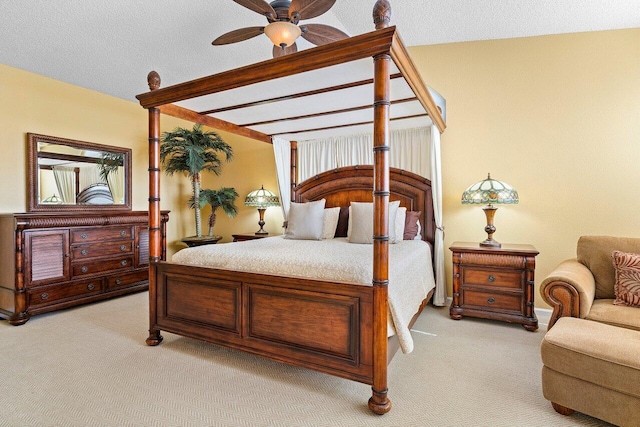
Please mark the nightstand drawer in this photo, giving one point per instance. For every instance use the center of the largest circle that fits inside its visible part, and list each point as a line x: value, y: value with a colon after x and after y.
x: 492, y: 301
x: 492, y: 277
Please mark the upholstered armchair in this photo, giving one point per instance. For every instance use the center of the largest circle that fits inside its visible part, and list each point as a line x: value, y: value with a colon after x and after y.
x: 583, y: 287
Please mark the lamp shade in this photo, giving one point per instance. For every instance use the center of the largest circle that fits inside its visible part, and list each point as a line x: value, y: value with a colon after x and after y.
x: 282, y: 33
x: 261, y: 198
x: 490, y: 191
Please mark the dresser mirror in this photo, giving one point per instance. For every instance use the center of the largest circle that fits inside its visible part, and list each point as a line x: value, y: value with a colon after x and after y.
x: 68, y: 175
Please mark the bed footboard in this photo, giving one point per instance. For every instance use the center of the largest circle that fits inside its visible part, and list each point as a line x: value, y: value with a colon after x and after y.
x: 320, y: 325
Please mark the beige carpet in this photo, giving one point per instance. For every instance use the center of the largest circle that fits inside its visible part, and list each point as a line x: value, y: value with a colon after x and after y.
x: 89, y: 366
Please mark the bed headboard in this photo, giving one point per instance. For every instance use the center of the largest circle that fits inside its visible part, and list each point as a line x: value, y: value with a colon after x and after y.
x: 341, y: 186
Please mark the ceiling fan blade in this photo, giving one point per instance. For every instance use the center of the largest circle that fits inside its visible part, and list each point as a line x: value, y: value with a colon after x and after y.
x: 238, y: 35
x: 278, y: 51
x: 307, y: 9
x: 320, y: 34
x: 259, y: 6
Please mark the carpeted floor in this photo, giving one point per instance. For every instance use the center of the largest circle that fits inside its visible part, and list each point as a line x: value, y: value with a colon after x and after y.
x: 89, y: 366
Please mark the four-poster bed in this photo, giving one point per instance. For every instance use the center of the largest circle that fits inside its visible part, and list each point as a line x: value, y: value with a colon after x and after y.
x: 334, y: 327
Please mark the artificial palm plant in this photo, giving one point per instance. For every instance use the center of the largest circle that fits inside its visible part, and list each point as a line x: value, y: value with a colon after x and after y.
x: 192, y: 151
x: 224, y: 198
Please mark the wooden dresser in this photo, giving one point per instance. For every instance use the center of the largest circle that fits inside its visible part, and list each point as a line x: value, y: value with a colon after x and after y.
x: 494, y: 283
x: 50, y: 261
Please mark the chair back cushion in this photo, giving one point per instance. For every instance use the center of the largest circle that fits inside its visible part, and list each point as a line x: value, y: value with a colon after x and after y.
x: 595, y: 253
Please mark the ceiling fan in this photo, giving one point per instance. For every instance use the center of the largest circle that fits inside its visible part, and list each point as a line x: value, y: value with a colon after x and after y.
x: 283, y: 29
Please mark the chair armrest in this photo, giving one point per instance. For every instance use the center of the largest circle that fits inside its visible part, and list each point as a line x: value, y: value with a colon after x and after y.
x: 569, y: 289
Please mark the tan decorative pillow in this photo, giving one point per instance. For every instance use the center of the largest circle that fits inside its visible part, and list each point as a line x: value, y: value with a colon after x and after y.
x: 330, y: 222
x: 401, y: 214
x: 361, y: 222
x: 627, y: 285
x: 305, y: 221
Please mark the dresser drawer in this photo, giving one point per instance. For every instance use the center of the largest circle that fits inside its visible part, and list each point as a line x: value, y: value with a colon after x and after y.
x: 127, y: 279
x: 91, y: 267
x: 100, y: 234
x: 47, y: 295
x: 93, y: 250
x: 492, y: 277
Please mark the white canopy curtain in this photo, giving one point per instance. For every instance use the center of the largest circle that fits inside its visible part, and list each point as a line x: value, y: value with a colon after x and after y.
x: 66, y: 182
x: 89, y: 175
x: 282, y: 152
x: 415, y: 150
x: 440, y: 294
x: 410, y: 150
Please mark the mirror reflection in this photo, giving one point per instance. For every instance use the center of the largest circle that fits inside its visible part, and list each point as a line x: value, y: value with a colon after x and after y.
x: 73, y: 174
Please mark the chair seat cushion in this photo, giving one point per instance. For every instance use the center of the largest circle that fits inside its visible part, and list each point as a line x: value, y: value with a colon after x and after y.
x: 594, y: 352
x: 604, y: 311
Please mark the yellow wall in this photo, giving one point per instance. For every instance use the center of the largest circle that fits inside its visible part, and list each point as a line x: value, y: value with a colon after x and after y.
x: 558, y: 118
x: 32, y: 103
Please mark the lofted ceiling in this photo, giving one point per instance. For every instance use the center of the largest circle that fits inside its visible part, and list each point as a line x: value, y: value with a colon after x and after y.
x: 110, y: 46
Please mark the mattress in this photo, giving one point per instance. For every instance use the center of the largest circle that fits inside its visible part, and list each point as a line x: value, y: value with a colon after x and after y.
x: 410, y: 269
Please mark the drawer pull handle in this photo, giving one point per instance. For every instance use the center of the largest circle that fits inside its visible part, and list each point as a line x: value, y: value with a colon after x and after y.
x: 123, y: 248
x: 123, y: 263
x: 491, y: 278
x: 491, y: 300
x: 84, y: 252
x: 91, y: 286
x: 123, y: 233
x: 84, y: 269
x: 84, y: 236
x: 118, y: 281
x: 44, y: 296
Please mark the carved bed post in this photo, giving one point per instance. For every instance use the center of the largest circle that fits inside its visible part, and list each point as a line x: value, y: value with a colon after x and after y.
x: 379, y: 401
x: 155, y: 235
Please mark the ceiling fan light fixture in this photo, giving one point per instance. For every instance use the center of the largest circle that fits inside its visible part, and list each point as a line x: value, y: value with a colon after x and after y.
x: 282, y: 33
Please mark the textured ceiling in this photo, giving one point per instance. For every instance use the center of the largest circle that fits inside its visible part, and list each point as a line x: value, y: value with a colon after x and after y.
x: 110, y: 46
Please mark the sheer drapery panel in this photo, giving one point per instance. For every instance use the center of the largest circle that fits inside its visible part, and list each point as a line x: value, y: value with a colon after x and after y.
x: 410, y: 150
x: 66, y: 182
x: 282, y: 153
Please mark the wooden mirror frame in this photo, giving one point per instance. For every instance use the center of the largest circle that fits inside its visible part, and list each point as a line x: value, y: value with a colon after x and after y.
x: 33, y: 199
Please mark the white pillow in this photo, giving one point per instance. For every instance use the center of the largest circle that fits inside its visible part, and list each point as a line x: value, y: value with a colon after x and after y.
x: 361, y: 222
x: 419, y: 235
x: 305, y: 221
x: 401, y: 215
x: 330, y: 222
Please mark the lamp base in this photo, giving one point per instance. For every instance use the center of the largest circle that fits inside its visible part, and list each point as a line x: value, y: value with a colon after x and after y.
x: 490, y: 211
x: 261, y: 222
x: 490, y: 243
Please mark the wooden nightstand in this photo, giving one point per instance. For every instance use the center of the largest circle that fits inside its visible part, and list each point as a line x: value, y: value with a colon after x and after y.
x: 243, y: 237
x: 494, y: 283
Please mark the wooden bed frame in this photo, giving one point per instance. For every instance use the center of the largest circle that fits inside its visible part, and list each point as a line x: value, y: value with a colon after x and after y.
x: 336, y: 328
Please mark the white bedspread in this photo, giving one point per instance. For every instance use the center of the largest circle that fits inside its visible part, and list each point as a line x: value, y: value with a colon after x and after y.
x: 410, y: 270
